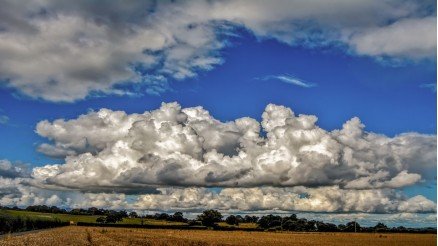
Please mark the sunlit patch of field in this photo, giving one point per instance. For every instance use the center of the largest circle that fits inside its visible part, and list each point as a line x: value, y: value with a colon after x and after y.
x: 76, y: 235
x: 241, y: 225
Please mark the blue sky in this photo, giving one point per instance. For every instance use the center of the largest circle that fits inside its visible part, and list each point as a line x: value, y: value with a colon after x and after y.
x: 390, y: 90
x: 389, y: 99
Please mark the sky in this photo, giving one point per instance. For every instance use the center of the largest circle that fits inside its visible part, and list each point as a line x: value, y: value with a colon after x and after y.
x: 324, y: 109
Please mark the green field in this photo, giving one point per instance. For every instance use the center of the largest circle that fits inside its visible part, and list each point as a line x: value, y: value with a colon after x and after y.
x: 82, y: 218
x: 92, y: 218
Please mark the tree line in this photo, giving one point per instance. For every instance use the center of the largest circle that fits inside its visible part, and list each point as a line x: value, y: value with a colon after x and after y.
x: 211, y: 218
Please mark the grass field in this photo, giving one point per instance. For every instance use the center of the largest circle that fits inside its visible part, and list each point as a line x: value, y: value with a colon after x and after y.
x: 92, y: 219
x: 83, y: 218
x: 76, y: 235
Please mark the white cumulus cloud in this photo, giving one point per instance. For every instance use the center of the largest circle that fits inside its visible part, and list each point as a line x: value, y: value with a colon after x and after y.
x: 405, y: 38
x: 172, y: 146
x: 18, y: 192
x: 328, y: 199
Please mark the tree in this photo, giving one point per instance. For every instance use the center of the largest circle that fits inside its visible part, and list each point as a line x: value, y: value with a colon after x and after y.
x: 113, y: 218
x: 290, y: 225
x: 239, y: 218
x: 293, y: 217
x: 101, y: 220
x: 380, y: 227
x: 269, y: 221
x: 92, y: 211
x: 133, y: 215
x: 162, y: 216
x: 341, y: 227
x: 401, y: 229
x: 210, y: 217
x: 326, y: 227
x: 232, y: 220
x: 352, y: 226
x: 178, y: 216
x: 250, y: 219
x: 122, y: 214
x: 303, y: 225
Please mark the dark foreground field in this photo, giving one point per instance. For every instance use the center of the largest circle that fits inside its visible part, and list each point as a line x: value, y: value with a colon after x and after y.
x: 75, y: 235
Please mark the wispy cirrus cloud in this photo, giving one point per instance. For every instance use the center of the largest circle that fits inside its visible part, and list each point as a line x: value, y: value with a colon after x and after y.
x: 430, y: 86
x: 289, y: 79
x: 4, y: 119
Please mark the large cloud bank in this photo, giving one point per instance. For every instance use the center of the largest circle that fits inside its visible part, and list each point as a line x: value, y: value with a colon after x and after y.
x: 175, y: 158
x: 67, y: 50
x: 18, y: 192
x: 328, y: 199
x: 172, y: 146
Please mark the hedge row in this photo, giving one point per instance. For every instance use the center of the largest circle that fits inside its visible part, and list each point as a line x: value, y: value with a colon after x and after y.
x: 17, y: 224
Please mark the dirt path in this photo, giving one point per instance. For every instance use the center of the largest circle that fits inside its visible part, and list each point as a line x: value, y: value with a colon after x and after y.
x: 15, y: 234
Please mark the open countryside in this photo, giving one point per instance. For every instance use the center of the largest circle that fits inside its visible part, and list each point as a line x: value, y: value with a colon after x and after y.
x: 218, y: 122
x: 107, y: 227
x: 76, y: 235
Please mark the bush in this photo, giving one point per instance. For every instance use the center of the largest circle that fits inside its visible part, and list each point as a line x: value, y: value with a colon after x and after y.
x: 195, y: 223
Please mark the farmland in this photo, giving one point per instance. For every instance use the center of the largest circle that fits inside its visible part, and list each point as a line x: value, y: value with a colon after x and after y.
x: 92, y: 219
x: 82, y: 218
x: 76, y: 235
x: 150, y: 231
